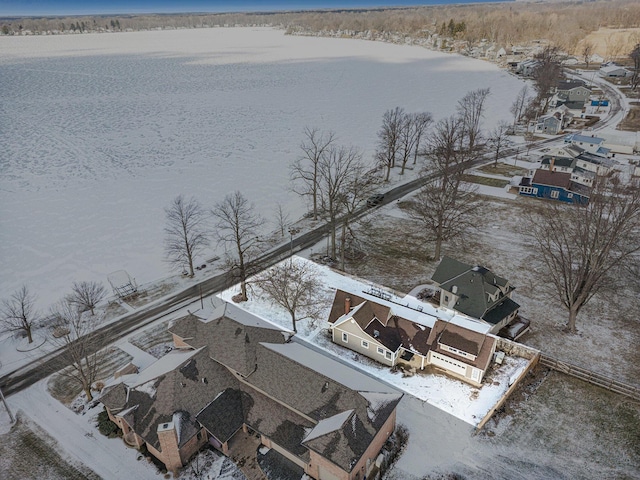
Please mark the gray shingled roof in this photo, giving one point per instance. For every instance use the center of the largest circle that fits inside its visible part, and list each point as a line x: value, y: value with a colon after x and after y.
x: 472, y: 284
x: 202, y: 391
x: 233, y: 339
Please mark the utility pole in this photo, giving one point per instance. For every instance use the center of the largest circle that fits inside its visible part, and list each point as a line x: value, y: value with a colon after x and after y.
x: 11, y: 417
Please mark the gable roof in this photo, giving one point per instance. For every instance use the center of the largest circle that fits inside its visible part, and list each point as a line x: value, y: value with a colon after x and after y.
x: 289, y: 392
x: 472, y: 285
x: 234, y: 339
x: 338, y: 309
x: 564, y: 162
x: 477, y: 344
x: 567, y: 85
x: 543, y: 176
x: 576, y: 137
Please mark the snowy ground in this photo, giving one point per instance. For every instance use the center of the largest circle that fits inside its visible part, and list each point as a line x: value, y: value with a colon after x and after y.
x: 454, y: 397
x: 100, y: 132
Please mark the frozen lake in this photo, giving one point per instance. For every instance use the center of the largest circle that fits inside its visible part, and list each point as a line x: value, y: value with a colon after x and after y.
x: 100, y: 132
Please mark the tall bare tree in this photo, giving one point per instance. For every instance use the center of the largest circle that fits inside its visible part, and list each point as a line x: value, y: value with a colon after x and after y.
x: 587, y: 52
x: 86, y: 295
x: 282, y: 219
x: 444, y: 208
x: 294, y: 285
x: 470, y: 109
x: 337, y: 166
x: 18, y: 312
x: 304, y: 171
x: 389, y: 138
x: 498, y: 140
x: 361, y: 182
x: 519, y: 104
x: 546, y: 75
x: 583, y: 248
x: 81, y: 346
x: 185, y: 232
x: 412, y: 130
x: 237, y: 226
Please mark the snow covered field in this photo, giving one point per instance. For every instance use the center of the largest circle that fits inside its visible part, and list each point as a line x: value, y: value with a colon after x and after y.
x: 100, y: 132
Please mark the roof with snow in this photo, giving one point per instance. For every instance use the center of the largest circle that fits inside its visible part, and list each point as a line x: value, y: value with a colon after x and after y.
x: 577, y: 138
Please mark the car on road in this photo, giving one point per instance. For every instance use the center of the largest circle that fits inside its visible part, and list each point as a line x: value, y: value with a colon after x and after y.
x: 375, y: 200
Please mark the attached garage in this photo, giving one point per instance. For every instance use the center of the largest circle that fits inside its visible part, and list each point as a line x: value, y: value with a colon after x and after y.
x: 448, y: 364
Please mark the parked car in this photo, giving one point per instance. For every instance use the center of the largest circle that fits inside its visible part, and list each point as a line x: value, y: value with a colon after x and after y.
x: 375, y: 200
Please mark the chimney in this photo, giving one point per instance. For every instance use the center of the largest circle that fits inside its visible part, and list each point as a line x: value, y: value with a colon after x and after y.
x: 552, y: 162
x: 347, y: 305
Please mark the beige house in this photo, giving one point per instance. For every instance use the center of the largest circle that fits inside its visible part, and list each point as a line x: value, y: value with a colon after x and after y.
x: 372, y: 329
x: 232, y: 372
x: 461, y: 352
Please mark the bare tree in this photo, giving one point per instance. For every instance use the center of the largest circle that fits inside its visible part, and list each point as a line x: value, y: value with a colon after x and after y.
x: 282, y: 219
x: 361, y: 182
x: 86, y: 295
x: 470, y: 109
x: 499, y: 140
x: 185, y: 232
x: 335, y: 169
x: 237, y: 227
x: 422, y: 122
x: 81, y: 346
x: 584, y: 247
x: 389, y: 139
x: 444, y: 208
x: 304, y: 171
x: 635, y: 57
x: 293, y: 285
x: 519, y: 104
x: 18, y: 312
x: 413, y: 127
x: 587, y: 52
x: 546, y: 75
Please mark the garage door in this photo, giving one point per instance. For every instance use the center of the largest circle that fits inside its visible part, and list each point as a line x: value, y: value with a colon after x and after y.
x: 447, y: 364
x: 327, y: 475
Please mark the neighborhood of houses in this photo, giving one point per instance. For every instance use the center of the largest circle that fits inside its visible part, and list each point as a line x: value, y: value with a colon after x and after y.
x: 567, y: 173
x: 233, y: 377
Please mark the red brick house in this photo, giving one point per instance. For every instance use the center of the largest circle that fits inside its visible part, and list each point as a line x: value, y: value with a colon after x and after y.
x: 233, y: 371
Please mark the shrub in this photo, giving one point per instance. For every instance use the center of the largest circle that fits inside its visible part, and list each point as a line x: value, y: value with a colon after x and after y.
x: 105, y: 425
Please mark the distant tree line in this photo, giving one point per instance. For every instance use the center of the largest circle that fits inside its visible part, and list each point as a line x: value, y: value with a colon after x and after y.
x: 563, y: 24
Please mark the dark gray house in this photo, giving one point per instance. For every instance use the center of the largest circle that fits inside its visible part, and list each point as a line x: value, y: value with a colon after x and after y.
x: 476, y: 292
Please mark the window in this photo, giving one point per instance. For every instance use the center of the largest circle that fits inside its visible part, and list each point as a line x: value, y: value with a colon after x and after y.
x: 345, y: 337
x: 388, y: 355
x: 569, y: 195
x: 554, y: 194
x: 535, y: 190
x: 527, y: 190
x: 446, y: 298
x: 365, y: 344
x: 381, y: 350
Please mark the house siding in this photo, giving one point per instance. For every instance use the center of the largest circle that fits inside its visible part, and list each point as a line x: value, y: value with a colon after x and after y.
x: 355, y: 337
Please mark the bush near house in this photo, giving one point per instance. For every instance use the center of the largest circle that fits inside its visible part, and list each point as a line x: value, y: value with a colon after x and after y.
x: 106, y: 426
